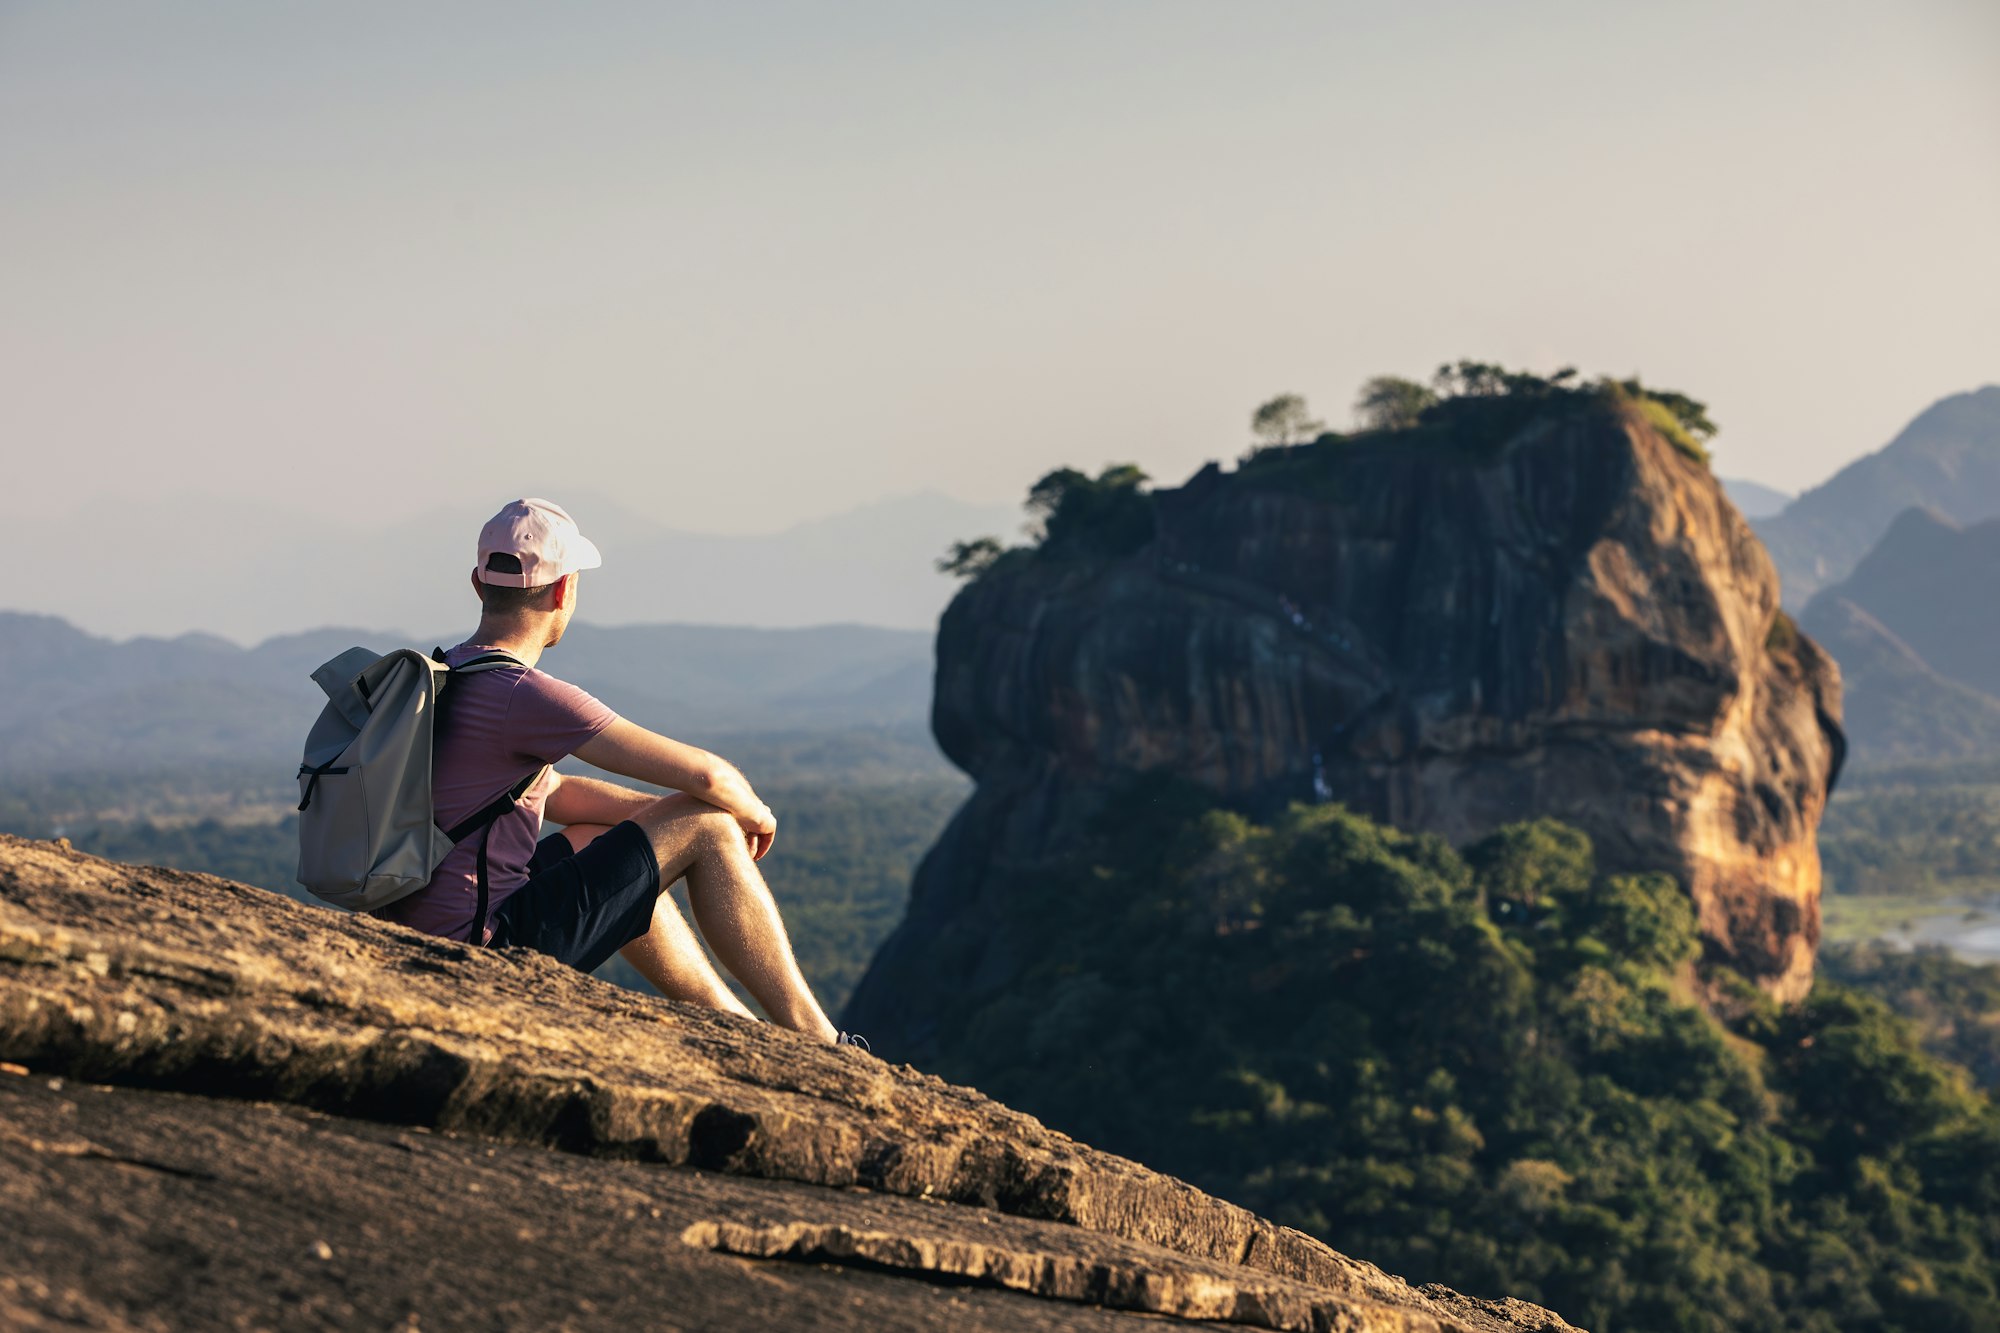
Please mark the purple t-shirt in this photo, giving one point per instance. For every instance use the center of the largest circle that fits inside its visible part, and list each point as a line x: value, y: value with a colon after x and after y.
x: 504, y: 724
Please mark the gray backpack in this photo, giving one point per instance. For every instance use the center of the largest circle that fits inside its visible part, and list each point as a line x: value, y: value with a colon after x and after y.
x: 368, y: 833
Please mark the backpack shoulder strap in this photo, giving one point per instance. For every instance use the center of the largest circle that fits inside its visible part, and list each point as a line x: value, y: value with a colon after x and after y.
x: 481, y: 822
x: 504, y: 802
x: 482, y: 819
x: 494, y: 808
x: 484, y: 662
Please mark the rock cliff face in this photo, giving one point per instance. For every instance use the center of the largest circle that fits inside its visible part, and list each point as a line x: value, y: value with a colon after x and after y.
x: 1574, y: 623
x: 221, y: 1109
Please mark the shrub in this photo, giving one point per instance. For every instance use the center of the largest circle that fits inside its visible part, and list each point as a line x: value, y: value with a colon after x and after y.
x: 1680, y: 419
x: 968, y: 560
x: 1284, y: 420
x: 1389, y: 403
x: 1074, y: 514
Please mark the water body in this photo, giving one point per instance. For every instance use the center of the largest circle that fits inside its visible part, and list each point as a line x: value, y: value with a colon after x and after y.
x: 1970, y: 929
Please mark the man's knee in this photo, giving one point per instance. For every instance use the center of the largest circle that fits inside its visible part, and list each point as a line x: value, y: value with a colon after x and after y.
x: 715, y: 828
x: 668, y: 811
x: 679, y: 821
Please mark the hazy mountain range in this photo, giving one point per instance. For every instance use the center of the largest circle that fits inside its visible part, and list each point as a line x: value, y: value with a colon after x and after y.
x: 249, y: 571
x: 74, y: 702
x: 1918, y: 641
x: 1948, y: 459
x: 1889, y: 565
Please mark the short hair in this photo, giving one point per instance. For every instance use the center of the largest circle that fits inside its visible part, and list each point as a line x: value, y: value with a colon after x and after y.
x: 505, y: 601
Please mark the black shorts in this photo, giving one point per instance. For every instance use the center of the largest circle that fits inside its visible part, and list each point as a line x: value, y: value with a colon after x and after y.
x: 582, y: 907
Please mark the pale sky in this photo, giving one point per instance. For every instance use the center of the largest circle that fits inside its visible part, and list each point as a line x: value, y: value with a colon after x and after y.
x: 745, y: 264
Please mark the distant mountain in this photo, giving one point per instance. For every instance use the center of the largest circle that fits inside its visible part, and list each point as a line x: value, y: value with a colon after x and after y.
x: 1897, y: 709
x: 1918, y: 648
x: 1753, y: 499
x: 250, y: 571
x: 1948, y: 459
x: 1931, y: 582
x: 72, y: 702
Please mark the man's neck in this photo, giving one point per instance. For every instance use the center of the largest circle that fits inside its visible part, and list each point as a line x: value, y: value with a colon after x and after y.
x: 524, y: 643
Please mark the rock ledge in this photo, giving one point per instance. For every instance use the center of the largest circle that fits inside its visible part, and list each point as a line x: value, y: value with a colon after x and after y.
x: 176, y: 983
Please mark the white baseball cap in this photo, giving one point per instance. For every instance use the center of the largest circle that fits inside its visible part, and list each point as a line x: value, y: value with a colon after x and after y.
x: 542, y: 537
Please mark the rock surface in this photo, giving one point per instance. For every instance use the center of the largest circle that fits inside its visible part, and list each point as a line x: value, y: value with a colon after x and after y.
x: 1574, y: 624
x: 427, y: 1134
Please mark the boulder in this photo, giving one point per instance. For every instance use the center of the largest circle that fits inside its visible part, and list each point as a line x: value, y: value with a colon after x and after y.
x: 1569, y: 621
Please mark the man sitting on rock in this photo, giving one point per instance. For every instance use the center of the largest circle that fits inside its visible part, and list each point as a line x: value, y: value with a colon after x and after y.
x: 599, y: 886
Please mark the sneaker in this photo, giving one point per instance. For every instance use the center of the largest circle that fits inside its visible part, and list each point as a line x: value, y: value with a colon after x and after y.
x: 853, y: 1039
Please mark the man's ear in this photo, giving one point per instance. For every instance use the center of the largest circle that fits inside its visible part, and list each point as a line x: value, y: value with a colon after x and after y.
x: 560, y: 595
x: 476, y: 592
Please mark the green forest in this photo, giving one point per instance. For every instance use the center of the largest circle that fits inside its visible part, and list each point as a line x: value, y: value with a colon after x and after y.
x: 1954, y: 1006
x: 1921, y: 833
x: 1487, y: 1068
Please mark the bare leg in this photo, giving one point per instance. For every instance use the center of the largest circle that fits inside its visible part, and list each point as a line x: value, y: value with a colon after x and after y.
x: 734, y: 908
x: 668, y: 956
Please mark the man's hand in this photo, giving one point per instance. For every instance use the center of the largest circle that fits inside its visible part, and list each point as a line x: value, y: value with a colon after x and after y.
x: 761, y: 828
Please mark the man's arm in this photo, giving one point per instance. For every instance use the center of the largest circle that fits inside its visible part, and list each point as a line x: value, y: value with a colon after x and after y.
x: 628, y: 749
x: 577, y: 800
